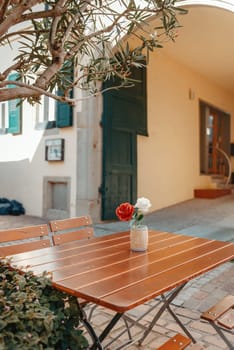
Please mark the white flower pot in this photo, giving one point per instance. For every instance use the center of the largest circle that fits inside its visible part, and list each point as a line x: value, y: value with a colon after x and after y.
x: 139, y: 238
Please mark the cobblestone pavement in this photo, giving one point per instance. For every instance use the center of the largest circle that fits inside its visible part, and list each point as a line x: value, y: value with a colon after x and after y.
x: 198, y: 295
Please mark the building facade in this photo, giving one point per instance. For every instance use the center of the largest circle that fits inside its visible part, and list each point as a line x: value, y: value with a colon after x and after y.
x: 61, y: 162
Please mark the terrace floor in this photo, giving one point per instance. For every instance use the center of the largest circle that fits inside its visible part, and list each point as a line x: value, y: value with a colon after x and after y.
x: 211, y: 218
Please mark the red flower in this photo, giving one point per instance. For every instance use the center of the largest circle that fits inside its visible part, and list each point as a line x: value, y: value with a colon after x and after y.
x: 125, y: 211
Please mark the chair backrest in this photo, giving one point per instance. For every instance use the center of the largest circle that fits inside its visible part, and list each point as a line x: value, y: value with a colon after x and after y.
x: 72, y: 229
x: 222, y: 312
x: 23, y: 239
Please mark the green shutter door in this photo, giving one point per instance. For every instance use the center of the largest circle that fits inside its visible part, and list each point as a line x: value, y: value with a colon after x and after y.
x: 14, y: 111
x: 63, y: 114
x: 124, y: 117
x: 64, y: 111
x: 120, y: 169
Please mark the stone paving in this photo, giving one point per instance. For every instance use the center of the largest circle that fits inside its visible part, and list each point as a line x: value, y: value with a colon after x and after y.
x: 197, y: 296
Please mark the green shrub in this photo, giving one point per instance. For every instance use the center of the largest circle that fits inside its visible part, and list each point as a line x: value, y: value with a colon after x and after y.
x: 34, y: 315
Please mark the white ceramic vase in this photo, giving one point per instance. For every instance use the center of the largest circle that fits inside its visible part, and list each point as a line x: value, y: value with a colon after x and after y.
x: 139, y: 238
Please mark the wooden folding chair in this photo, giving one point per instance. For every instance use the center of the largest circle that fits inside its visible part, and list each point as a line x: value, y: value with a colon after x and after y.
x: 179, y: 342
x: 221, y: 317
x: 72, y: 229
x: 23, y: 239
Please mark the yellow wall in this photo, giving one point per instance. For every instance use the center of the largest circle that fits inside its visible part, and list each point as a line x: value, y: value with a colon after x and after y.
x: 168, y: 160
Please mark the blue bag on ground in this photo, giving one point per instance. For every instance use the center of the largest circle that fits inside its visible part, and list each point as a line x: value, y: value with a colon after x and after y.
x: 11, y: 207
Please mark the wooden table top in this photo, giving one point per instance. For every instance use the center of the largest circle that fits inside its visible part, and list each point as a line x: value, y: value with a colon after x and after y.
x: 105, y: 271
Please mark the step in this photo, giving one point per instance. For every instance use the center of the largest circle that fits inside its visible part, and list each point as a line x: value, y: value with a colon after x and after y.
x: 218, y: 179
x: 211, y: 192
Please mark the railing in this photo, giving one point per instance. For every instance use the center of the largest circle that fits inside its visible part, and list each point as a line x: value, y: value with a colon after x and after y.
x: 228, y: 162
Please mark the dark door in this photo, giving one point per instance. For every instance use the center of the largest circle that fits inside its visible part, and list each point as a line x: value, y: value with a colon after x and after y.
x: 214, y: 140
x: 124, y: 117
x: 215, y: 158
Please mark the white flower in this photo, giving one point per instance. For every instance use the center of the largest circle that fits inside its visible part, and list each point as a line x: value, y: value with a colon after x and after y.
x: 143, y: 204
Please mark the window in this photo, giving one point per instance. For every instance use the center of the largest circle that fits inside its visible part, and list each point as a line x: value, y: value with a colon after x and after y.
x: 51, y: 113
x: 3, y: 117
x: 45, y: 113
x: 10, y: 117
x: 14, y: 116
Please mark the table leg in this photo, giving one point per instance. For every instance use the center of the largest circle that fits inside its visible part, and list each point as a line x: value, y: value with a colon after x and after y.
x: 166, y: 305
x: 110, y: 325
x: 180, y: 324
x: 220, y: 333
x: 95, y: 339
x: 107, y: 330
x: 127, y: 319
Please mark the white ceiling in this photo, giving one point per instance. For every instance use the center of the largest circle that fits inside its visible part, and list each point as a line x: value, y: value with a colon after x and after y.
x: 206, y: 43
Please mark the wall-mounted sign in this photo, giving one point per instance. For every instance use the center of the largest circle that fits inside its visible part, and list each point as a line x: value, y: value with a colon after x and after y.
x: 54, y: 149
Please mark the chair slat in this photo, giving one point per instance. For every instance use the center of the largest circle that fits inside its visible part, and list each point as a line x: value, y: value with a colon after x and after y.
x: 219, y: 309
x: 221, y: 318
x: 66, y: 224
x: 61, y: 238
x: 23, y: 233
x: 23, y: 247
x: 227, y: 319
x: 178, y: 342
x: 78, y: 228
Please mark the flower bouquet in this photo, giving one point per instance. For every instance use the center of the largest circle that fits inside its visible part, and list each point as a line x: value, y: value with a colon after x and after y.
x: 135, y: 214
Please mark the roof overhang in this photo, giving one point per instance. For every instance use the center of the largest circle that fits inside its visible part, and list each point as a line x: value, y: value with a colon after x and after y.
x: 204, y: 41
x: 224, y: 4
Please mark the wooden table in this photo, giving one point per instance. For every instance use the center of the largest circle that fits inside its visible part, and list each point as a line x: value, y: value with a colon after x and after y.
x: 104, y: 271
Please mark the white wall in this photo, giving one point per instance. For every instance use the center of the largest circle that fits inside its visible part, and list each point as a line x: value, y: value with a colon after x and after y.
x: 23, y: 164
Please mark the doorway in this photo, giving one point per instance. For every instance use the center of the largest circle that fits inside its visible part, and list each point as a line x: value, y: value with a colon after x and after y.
x: 124, y: 116
x: 214, y: 140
